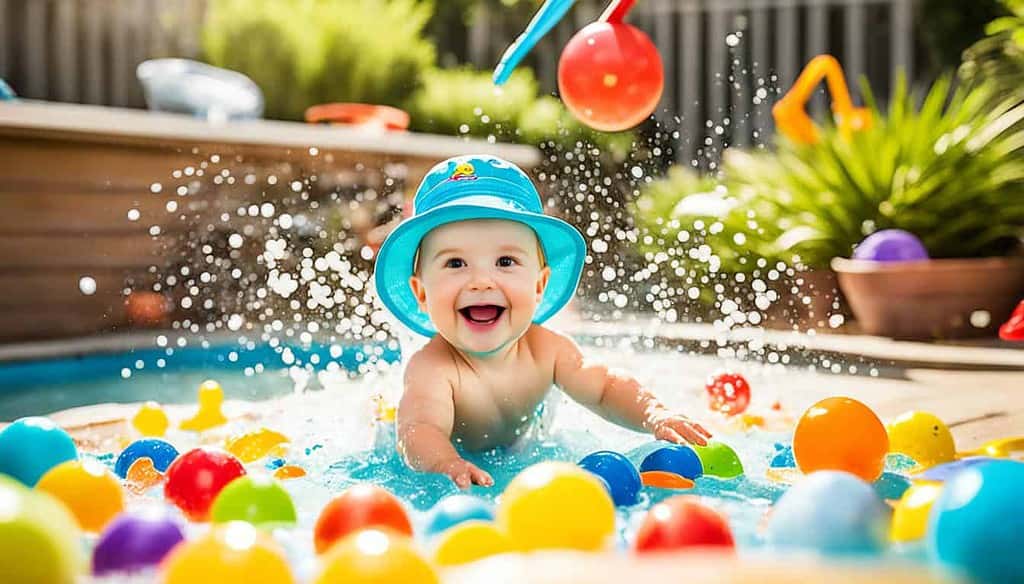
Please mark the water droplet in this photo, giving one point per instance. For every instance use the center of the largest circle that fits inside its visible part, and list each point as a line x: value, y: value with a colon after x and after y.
x: 732, y: 40
x: 87, y: 285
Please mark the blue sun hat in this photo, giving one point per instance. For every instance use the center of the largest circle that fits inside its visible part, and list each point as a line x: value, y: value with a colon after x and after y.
x: 476, y: 187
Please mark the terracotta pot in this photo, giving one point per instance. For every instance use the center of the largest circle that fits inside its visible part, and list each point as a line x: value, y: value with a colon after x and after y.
x: 816, y: 299
x: 955, y: 298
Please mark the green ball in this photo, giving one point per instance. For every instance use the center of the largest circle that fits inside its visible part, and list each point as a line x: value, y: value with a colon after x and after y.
x: 39, y: 539
x: 258, y: 500
x: 719, y: 460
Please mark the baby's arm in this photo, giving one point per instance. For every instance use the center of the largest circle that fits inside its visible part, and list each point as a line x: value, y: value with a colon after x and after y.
x: 426, y: 416
x: 618, y: 397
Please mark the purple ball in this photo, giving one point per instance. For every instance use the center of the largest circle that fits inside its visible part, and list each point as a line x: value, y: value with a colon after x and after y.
x: 134, y: 541
x: 891, y: 245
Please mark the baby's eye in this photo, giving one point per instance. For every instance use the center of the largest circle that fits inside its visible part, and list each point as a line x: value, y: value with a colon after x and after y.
x: 507, y: 261
x: 454, y: 263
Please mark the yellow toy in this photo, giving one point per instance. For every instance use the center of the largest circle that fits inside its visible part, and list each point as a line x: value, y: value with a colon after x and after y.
x: 90, y: 491
x: 211, y: 397
x: 923, y: 437
x: 1000, y: 448
x: 150, y: 420
x: 790, y: 116
x: 470, y: 541
x: 370, y: 556
x: 252, y: 446
x: 910, y: 514
x: 289, y: 471
x: 234, y: 552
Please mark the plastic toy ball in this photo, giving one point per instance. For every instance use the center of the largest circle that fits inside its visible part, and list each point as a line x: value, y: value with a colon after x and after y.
x: 728, y: 393
x: 618, y: 472
x: 556, y: 505
x: 359, y: 507
x: 258, y: 500
x: 830, y: 512
x: 211, y: 397
x: 456, y: 509
x: 910, y: 514
x: 923, y: 437
x: 839, y: 433
x: 151, y: 420
x: 610, y: 76
x: 39, y: 539
x: 233, y: 552
x: 891, y: 245
x: 196, y: 478
x: 372, y: 556
x: 252, y: 446
x: 719, y: 460
x: 676, y: 459
x: 90, y: 491
x: 161, y: 453
x: 31, y: 446
x: 975, y: 525
x: 135, y: 541
x: 682, y: 522
x: 470, y: 541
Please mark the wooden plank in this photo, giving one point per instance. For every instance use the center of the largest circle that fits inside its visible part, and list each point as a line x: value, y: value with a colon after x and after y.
x: 93, y: 212
x: 120, y: 75
x: 34, y: 288
x: 84, y: 251
x: 34, y: 52
x: 719, y: 89
x: 47, y: 322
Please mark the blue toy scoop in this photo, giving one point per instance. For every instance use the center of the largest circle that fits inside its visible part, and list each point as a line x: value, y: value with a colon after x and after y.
x: 550, y: 13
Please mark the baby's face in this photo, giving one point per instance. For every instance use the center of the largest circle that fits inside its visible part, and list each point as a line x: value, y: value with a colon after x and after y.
x: 480, y: 281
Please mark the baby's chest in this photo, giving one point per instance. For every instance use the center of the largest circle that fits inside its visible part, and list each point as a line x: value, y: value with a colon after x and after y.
x: 508, y: 396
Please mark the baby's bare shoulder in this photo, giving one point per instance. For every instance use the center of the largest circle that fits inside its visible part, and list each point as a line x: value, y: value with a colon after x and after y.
x: 433, y: 360
x: 546, y: 344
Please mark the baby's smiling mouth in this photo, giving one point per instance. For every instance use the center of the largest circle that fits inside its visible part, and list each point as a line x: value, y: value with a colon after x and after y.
x: 482, y: 314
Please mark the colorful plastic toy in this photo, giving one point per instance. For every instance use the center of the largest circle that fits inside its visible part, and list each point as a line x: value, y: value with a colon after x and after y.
x: 1013, y: 329
x: 910, y: 514
x: 728, y: 393
x: 942, y: 472
x: 470, y: 541
x: 258, y: 500
x: 831, y: 512
x: 660, y: 479
x: 618, y: 472
x: 160, y: 452
x: 135, y: 541
x: 891, y: 245
x: 90, y: 491
x: 233, y: 552
x: 370, y: 556
x: 556, y: 505
x: 675, y: 459
x: 39, y: 538
x: 999, y: 448
x: 456, y: 509
x: 289, y: 471
x: 790, y: 116
x: 682, y: 522
x: 151, y: 420
x: 254, y: 445
x: 359, y: 507
x: 29, y: 447
x: 719, y: 460
x: 840, y: 433
x: 923, y: 437
x: 196, y: 478
x: 975, y: 525
x: 211, y: 398
x: 142, y: 476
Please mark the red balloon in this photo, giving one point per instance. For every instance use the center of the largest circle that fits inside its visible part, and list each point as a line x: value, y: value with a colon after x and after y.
x: 728, y: 393
x: 356, y: 508
x: 195, y: 479
x: 682, y: 522
x: 610, y: 76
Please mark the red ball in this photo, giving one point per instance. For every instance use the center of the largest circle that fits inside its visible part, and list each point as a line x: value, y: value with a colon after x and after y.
x: 728, y: 393
x: 356, y: 508
x: 610, y: 76
x: 682, y: 522
x: 195, y: 479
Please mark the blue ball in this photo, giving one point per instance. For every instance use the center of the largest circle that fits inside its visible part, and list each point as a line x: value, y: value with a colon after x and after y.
x: 618, y: 472
x: 160, y: 452
x: 453, y: 510
x: 31, y: 446
x: 977, y: 524
x: 681, y: 460
x: 831, y: 512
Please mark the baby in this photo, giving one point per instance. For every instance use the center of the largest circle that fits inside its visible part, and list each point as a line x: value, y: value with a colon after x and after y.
x: 478, y: 268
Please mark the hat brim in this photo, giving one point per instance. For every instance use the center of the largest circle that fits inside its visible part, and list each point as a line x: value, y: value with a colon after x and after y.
x: 564, y: 250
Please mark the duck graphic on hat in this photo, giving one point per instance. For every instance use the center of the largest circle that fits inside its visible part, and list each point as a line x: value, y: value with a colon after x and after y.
x: 464, y: 171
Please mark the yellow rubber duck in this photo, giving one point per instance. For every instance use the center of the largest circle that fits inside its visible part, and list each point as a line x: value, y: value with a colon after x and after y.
x: 463, y: 170
x: 211, y: 397
x: 150, y: 420
x: 923, y: 437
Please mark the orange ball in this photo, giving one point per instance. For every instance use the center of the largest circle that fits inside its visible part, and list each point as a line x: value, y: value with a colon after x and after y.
x: 91, y: 492
x: 839, y: 433
x: 356, y: 508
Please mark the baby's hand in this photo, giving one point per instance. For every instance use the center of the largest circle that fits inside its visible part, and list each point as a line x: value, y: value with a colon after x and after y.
x: 465, y: 473
x: 679, y: 429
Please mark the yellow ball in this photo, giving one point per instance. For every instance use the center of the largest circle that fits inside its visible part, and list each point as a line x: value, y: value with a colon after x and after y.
x: 923, y: 437
x: 232, y: 552
x: 90, y: 491
x: 39, y: 540
x: 556, y: 505
x: 375, y: 556
x: 470, y: 541
x: 910, y: 515
x: 151, y: 420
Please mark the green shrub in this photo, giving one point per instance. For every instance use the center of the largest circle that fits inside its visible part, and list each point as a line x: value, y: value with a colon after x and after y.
x: 305, y: 52
x: 996, y: 62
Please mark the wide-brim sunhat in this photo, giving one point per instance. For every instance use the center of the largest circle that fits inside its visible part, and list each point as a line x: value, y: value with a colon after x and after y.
x: 472, y: 188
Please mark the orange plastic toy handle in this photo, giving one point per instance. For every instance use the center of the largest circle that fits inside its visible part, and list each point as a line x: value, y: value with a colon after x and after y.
x: 791, y: 116
x: 358, y: 114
